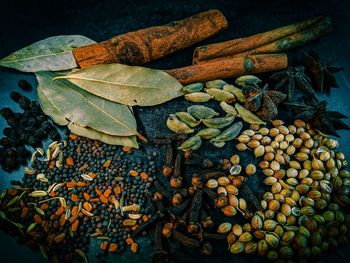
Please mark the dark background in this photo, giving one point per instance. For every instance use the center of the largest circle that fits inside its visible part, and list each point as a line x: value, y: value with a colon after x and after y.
x: 25, y: 22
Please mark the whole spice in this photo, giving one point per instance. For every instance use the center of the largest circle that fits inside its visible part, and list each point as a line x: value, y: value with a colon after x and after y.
x: 291, y: 79
x: 240, y: 45
x: 319, y: 118
x: 161, y: 40
x: 263, y: 102
x: 321, y: 72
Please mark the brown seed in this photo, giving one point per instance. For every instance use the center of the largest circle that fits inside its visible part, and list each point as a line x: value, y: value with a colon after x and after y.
x: 104, y: 245
x: 299, y: 123
x: 86, y: 196
x: 253, y: 144
x: 87, y: 206
x: 241, y: 147
x: 167, y: 229
x: 235, y: 159
x: 250, y: 169
x: 231, y: 238
x: 129, y: 222
x: 229, y: 211
x: 113, y: 247
x: 59, y: 238
x: 274, y: 132
x: 75, y: 225
x: 274, y: 205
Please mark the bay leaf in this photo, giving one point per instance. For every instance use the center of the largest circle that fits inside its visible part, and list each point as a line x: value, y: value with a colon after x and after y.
x: 103, y: 137
x: 50, y: 54
x: 66, y: 103
x: 129, y: 85
x: 51, y: 109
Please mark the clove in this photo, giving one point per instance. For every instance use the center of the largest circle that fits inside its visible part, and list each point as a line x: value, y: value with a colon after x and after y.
x: 185, y: 240
x: 206, y: 249
x: 198, y: 160
x: 146, y: 224
x: 178, y: 165
x: 180, y: 209
x: 160, y: 188
x: 211, y: 175
x: 220, y: 201
x: 160, y: 254
x: 175, y: 182
x: 215, y: 236
x: 205, y: 219
x: 168, y: 168
x: 248, y: 194
x: 196, y: 204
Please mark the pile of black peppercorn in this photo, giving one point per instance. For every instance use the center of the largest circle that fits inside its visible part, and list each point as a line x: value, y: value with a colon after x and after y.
x: 29, y: 127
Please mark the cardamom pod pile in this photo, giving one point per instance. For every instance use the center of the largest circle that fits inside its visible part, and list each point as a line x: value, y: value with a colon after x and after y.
x: 218, y: 129
x: 304, y: 210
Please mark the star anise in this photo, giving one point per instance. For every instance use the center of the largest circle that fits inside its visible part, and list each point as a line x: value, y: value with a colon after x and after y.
x: 321, y: 72
x: 292, y: 78
x: 263, y: 101
x: 316, y: 114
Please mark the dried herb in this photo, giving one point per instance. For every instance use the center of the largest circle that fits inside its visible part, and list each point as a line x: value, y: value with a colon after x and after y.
x: 127, y: 85
x: 316, y: 114
x: 292, y: 78
x: 53, y: 53
x: 321, y: 72
x: 67, y: 104
x: 263, y: 102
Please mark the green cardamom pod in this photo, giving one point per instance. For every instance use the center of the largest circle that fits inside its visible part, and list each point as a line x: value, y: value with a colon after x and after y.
x: 192, y: 143
x: 187, y: 118
x: 229, y: 134
x: 247, y: 80
x: 235, y: 91
x: 198, y: 97
x: 221, y: 95
x: 215, y: 84
x: 201, y: 112
x: 248, y: 116
x: 208, y: 133
x: 219, y: 123
x: 177, y: 126
x: 229, y: 109
x: 193, y: 87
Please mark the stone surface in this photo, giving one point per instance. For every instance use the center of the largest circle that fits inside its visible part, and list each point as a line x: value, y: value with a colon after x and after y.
x: 24, y: 22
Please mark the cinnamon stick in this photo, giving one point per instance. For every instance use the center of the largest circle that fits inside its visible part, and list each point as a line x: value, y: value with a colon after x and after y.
x: 300, y: 34
x: 152, y: 43
x: 227, y: 67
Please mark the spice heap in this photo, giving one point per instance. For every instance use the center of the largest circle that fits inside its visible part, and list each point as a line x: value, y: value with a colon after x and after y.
x: 82, y: 189
x: 185, y: 213
x: 29, y: 127
x: 219, y: 90
x: 304, y: 211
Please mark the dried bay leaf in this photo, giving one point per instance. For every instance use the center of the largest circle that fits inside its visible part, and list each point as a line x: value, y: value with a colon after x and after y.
x: 130, y: 85
x: 65, y: 103
x: 103, y: 137
x: 53, y: 53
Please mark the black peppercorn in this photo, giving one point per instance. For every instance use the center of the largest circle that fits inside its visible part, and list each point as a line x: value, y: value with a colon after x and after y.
x: 6, y: 113
x: 24, y: 103
x: 24, y: 85
x: 15, y: 96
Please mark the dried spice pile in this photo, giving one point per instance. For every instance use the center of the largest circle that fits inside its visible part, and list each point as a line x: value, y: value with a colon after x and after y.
x: 304, y: 211
x: 80, y: 189
x: 29, y: 127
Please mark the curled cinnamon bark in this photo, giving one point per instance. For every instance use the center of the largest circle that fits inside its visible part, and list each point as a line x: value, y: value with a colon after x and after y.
x: 227, y: 67
x: 145, y: 45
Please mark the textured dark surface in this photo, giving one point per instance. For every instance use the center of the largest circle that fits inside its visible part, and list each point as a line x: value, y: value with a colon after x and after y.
x: 24, y: 22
